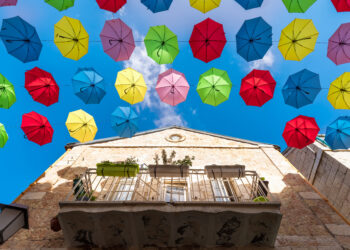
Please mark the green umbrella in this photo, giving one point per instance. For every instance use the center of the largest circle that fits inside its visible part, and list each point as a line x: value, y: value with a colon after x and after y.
x: 7, y: 93
x: 298, y: 6
x: 161, y: 44
x: 61, y: 4
x: 214, y: 86
x: 3, y: 136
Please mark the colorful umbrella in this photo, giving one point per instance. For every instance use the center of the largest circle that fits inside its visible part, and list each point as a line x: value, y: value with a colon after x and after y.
x: 172, y: 87
x: 3, y: 136
x: 89, y: 86
x: 161, y: 44
x: 339, y: 45
x: 117, y: 40
x: 298, y: 6
x: 207, y: 40
x: 338, y: 133
x: 341, y: 5
x: 81, y: 126
x: 41, y: 86
x: 20, y: 39
x: 298, y: 39
x: 131, y: 86
x: 7, y: 93
x: 250, y: 4
x: 301, y: 88
x: 214, y: 86
x: 157, y: 5
x: 205, y: 5
x: 124, y: 121
x: 111, y: 5
x: 61, y: 4
x: 339, y: 92
x: 300, y: 132
x: 8, y: 3
x: 71, y: 38
x: 37, y: 128
x: 257, y: 88
x: 254, y: 39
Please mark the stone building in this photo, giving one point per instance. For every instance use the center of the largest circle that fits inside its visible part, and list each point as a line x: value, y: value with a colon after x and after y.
x: 218, y: 202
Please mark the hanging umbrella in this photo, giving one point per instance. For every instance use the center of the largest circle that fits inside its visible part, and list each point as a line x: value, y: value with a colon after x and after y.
x: 81, y: 126
x: 257, y: 88
x: 298, y: 6
x: 341, y: 5
x: 61, y: 4
x: 172, y: 87
x: 111, y: 5
x: 41, y: 86
x: 157, y: 5
x: 7, y: 93
x: 301, y: 88
x: 207, y: 40
x: 161, y: 44
x: 339, y: 92
x: 124, y: 121
x: 339, y: 45
x: 71, y: 38
x: 214, y: 86
x: 8, y: 3
x: 205, y: 5
x: 300, y: 132
x: 298, y: 39
x: 131, y: 86
x: 3, y: 136
x: 338, y: 133
x: 20, y: 39
x: 37, y: 128
x: 117, y: 40
x: 250, y: 4
x: 254, y: 39
x: 89, y: 86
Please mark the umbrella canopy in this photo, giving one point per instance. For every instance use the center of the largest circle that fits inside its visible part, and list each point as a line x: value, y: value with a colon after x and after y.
x: 3, y: 136
x: 7, y: 93
x: 301, y: 88
x: 37, y: 128
x: 20, y: 39
x: 81, y: 126
x: 161, y: 44
x: 71, y: 38
x: 338, y: 133
x: 339, y: 45
x: 124, y: 121
x: 341, y: 5
x: 214, y: 86
x: 300, y: 132
x: 339, y: 92
x: 250, y: 4
x: 207, y: 40
x: 111, y: 5
x: 172, y: 87
x: 131, y: 86
x: 89, y: 86
x: 61, y: 4
x: 157, y: 5
x: 298, y: 6
x: 257, y: 88
x: 205, y: 5
x: 117, y: 40
x: 8, y: 3
x: 41, y: 86
x: 298, y: 39
x: 254, y: 39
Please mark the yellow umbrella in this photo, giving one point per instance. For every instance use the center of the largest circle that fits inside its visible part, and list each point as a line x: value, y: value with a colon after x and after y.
x: 131, y: 86
x: 205, y: 5
x: 298, y: 39
x: 339, y: 92
x: 81, y: 126
x: 71, y: 38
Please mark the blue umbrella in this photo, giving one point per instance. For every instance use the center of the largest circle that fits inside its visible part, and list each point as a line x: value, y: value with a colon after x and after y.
x: 301, y: 88
x: 157, y: 5
x: 20, y: 39
x: 250, y: 4
x: 338, y: 133
x: 254, y: 39
x: 89, y: 86
x: 124, y: 121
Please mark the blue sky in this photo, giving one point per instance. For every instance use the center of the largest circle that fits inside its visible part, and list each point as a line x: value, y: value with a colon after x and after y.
x: 23, y: 161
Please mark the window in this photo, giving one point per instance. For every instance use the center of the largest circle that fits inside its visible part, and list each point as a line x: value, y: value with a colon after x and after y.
x: 175, y: 138
x: 125, y: 190
x: 175, y: 193
x: 222, y: 190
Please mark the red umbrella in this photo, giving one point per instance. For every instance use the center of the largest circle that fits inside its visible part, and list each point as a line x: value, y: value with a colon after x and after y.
x: 41, y: 86
x: 300, y: 132
x: 37, y: 128
x: 341, y: 5
x: 207, y: 40
x: 111, y: 5
x: 257, y: 87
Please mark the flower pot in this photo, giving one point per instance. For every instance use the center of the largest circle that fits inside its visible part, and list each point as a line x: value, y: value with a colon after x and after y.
x: 225, y: 171
x: 168, y: 171
x: 117, y: 169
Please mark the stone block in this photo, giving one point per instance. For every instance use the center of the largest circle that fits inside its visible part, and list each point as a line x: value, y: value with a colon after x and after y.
x: 33, y: 196
x: 336, y: 229
x: 310, y: 195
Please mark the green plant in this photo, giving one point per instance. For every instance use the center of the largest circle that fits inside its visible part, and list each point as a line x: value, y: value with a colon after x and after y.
x: 156, y: 159
x: 260, y: 199
x: 187, y: 161
x: 131, y: 160
x: 262, y: 178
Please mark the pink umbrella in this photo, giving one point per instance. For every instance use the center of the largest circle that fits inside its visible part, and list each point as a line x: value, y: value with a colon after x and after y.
x: 339, y: 45
x: 172, y: 87
x: 8, y: 2
x: 117, y: 40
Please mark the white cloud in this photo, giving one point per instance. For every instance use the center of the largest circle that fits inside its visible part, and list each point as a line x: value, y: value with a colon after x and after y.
x: 264, y: 63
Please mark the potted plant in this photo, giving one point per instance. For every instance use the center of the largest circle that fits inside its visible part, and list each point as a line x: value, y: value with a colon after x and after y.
x: 127, y: 168
x: 260, y: 199
x: 263, y: 186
